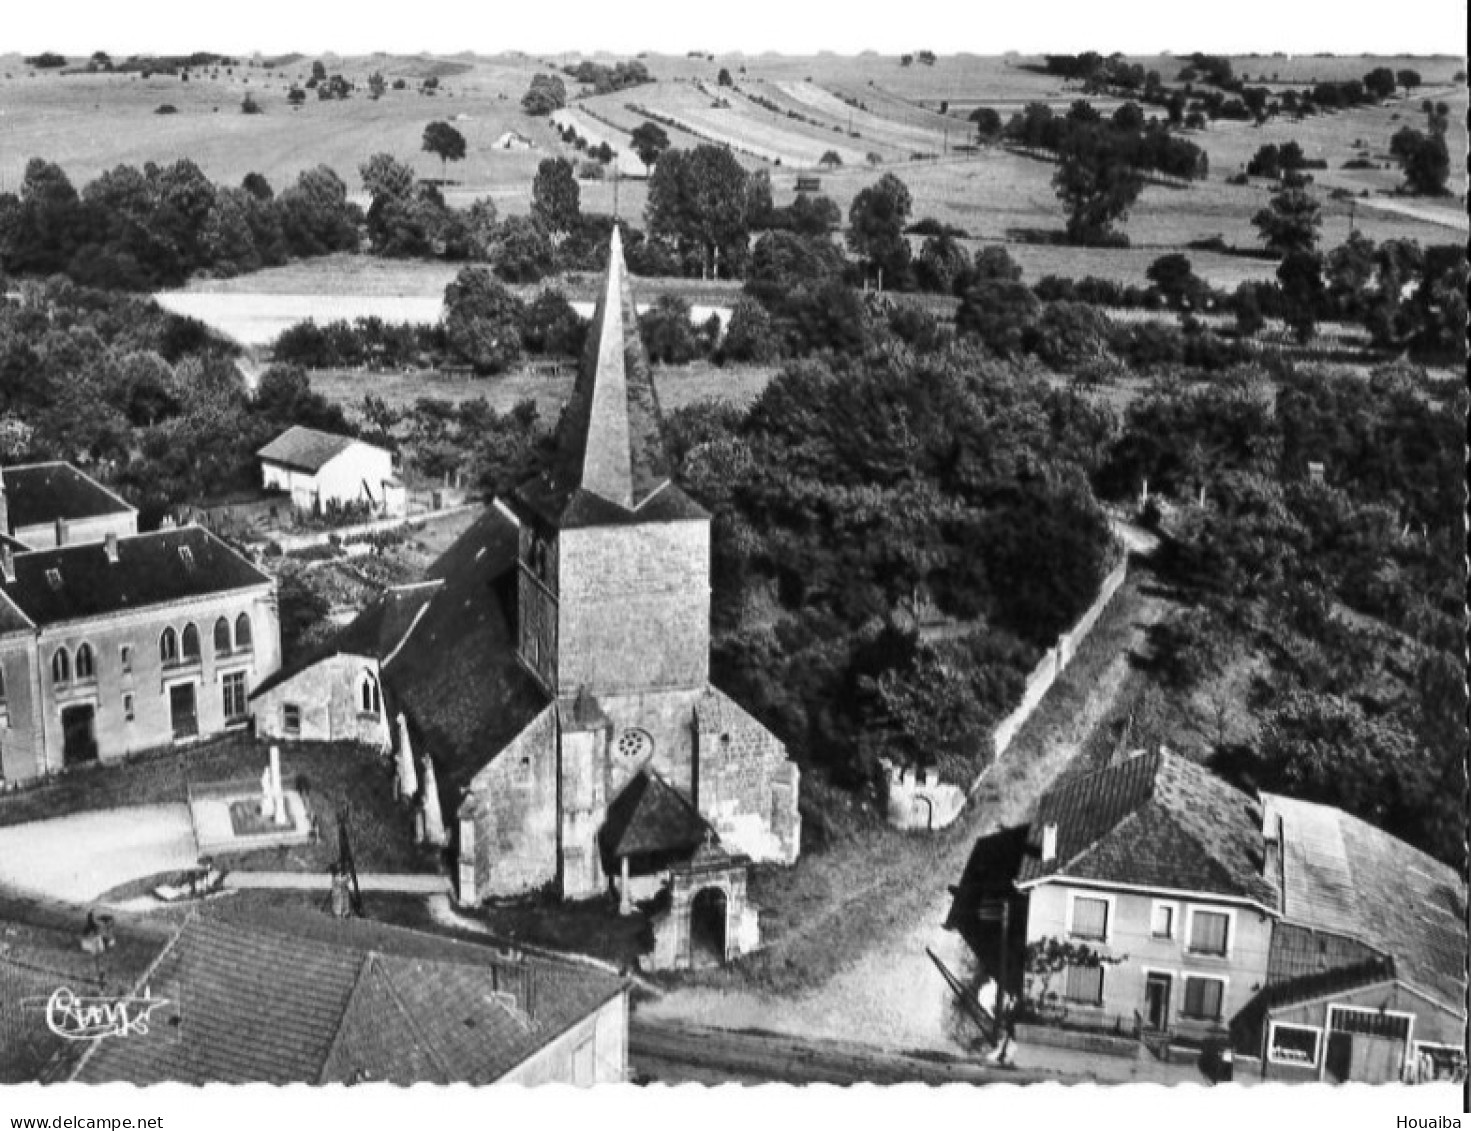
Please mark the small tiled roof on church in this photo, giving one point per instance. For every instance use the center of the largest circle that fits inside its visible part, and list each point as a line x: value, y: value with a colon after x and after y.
x: 75, y: 581
x: 650, y: 815
x: 610, y: 461
x: 1156, y: 820
x: 457, y: 677
x: 305, y: 449
x: 333, y: 1002
x: 40, y: 493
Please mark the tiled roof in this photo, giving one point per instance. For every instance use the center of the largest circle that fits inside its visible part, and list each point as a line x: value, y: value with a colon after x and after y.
x: 375, y: 632
x: 281, y: 999
x: 1343, y: 875
x: 650, y: 815
x: 305, y: 449
x: 71, y: 582
x: 610, y: 446
x: 457, y: 676
x: 1156, y: 820
x: 40, y: 493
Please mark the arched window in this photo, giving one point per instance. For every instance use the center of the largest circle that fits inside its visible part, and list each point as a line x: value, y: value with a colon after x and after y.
x: 242, y: 632
x: 370, y: 699
x: 222, y: 637
x: 61, y: 667
x: 86, y: 668
x: 191, y: 642
x: 168, y: 646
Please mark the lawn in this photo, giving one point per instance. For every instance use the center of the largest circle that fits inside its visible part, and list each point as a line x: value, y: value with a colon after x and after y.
x: 327, y: 774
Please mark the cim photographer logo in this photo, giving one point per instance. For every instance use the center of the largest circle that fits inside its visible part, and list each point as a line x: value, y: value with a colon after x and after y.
x: 79, y: 1017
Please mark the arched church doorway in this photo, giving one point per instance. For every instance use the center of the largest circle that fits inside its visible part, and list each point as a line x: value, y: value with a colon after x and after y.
x: 708, y: 913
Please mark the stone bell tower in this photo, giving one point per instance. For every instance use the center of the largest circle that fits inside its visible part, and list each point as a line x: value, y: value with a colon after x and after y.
x: 614, y: 578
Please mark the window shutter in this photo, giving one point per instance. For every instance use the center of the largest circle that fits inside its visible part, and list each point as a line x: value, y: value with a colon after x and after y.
x: 1208, y: 932
x: 1090, y: 918
x: 1084, y: 985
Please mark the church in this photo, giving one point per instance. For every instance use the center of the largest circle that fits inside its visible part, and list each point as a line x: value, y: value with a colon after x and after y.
x: 545, y: 690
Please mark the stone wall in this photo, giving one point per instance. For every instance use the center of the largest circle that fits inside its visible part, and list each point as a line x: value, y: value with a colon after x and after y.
x: 509, y: 827
x: 634, y: 608
x: 327, y: 696
x: 745, y: 785
x: 919, y: 800
x: 22, y: 756
x: 1054, y: 663
x: 668, y: 719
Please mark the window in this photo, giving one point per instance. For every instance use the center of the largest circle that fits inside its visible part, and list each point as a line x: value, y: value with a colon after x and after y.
x: 1162, y: 921
x: 61, y: 666
x: 222, y: 637
x: 1090, y: 918
x: 186, y: 555
x: 370, y: 702
x: 242, y: 632
x: 190, y: 643
x: 128, y: 706
x: 1203, y: 998
x: 1293, y: 1044
x: 291, y: 719
x: 168, y: 646
x: 1084, y: 985
x: 86, y: 668
x: 1210, y: 932
x: 125, y: 659
x: 234, y: 688
x: 635, y: 743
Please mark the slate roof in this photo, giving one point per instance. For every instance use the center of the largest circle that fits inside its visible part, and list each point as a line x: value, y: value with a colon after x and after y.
x: 305, y: 449
x: 282, y: 1000
x: 40, y: 493
x: 1157, y: 821
x: 611, y: 465
x: 457, y: 676
x: 375, y: 632
x: 650, y: 815
x: 1342, y: 875
x: 151, y: 569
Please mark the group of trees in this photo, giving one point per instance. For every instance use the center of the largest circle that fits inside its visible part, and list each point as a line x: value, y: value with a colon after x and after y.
x: 1321, y: 532
x: 1423, y: 156
x: 605, y: 79
x: 141, y: 229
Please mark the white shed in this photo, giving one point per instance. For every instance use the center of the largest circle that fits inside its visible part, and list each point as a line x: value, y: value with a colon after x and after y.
x: 320, y: 468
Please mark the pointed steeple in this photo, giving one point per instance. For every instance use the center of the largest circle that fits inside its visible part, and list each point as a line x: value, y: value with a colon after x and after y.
x: 611, y: 445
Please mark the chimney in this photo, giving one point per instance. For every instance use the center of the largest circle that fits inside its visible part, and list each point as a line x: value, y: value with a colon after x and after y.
x: 1271, y: 842
x: 7, y: 563
x: 1049, y: 842
x: 109, y: 546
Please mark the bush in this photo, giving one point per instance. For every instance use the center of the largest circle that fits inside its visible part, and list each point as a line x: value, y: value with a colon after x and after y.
x: 167, y: 108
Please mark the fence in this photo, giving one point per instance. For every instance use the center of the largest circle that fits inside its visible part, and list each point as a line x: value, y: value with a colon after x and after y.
x: 1053, y: 663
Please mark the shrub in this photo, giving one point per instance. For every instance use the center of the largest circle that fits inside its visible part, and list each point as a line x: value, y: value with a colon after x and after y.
x: 167, y: 108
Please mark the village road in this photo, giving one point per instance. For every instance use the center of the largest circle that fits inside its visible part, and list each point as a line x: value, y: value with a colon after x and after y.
x: 78, y: 858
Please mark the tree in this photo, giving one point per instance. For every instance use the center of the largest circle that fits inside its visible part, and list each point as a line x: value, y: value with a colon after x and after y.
x: 988, y: 124
x: 1177, y: 281
x: 556, y: 197
x: 520, y: 251
x: 1408, y: 79
x: 376, y: 86
x: 876, y: 222
x: 1380, y: 83
x: 667, y: 333
x: 724, y: 78
x: 1290, y: 222
x: 830, y: 160
x: 698, y: 199
x: 386, y: 178
x: 1001, y: 313
x: 546, y: 93
x: 1096, y: 185
x: 1425, y: 161
x: 445, y: 142
x: 649, y: 142
x: 482, y: 321
x: 319, y: 71
x: 296, y: 96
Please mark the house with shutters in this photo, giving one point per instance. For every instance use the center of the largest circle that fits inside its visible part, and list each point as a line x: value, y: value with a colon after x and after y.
x: 1314, y: 945
x: 319, y: 469
x: 127, y: 644
x: 546, y: 689
x: 283, y: 999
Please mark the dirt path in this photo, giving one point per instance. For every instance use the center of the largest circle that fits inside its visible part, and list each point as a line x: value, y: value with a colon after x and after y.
x: 888, y: 992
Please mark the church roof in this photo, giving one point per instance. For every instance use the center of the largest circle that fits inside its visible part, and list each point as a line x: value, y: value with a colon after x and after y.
x: 610, y: 458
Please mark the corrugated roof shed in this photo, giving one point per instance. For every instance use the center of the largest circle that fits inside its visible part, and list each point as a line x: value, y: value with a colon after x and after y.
x: 40, y: 493
x: 71, y: 582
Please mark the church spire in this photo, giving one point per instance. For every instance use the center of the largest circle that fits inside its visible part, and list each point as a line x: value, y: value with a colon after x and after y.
x: 611, y: 445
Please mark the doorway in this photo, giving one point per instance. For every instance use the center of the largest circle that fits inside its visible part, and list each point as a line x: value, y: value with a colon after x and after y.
x: 182, y: 711
x: 707, y: 927
x: 1157, y: 1002
x: 78, y: 734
